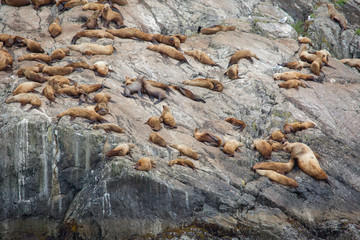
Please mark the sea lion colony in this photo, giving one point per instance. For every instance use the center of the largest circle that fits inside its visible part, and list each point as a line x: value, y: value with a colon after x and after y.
x: 59, y: 86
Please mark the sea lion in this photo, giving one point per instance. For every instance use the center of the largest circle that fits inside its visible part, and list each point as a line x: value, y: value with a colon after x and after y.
x: 145, y: 164
x: 38, y: 3
x: 316, y: 65
x: 200, y: 82
x: 49, y: 92
x: 91, y: 34
x: 35, y: 57
x: 36, y: 68
x: 6, y: 60
x: 121, y: 150
x: 298, y: 65
x: 73, y: 3
x: 277, y: 177
x: 92, y: 87
x: 15, y: 3
x: 278, y: 167
x: 101, y: 68
x: 292, y: 83
x: 94, y: 6
x: 184, y: 150
x: 216, y: 28
x: 237, y: 123
x: 305, y: 56
x: 353, y: 62
x: 54, y: 70
x: 130, y: 33
x: 134, y: 87
x: 73, y: 91
x: 153, y: 92
x: 182, y: 38
x: 92, y: 21
x: 26, y: 87
x: 207, y: 138
x: 169, y: 51
x: 304, y: 40
x: 83, y: 113
x: 111, y: 16
x: 154, y: 123
x: 276, y: 146
x: 119, y: 2
x: 278, y: 136
x: 182, y: 162
x: 109, y: 127
x: 59, y: 53
x: 167, y: 118
x: 102, y: 100
x: 336, y: 16
x: 232, y: 72
x: 83, y: 65
x: 7, y: 39
x: 25, y: 98
x: 242, y: 54
x: 231, y: 146
x: 32, y: 45
x: 157, y: 139
x: 263, y: 147
x: 92, y: 49
x: 187, y: 93
x: 168, y: 40
x: 201, y: 57
x: 297, y: 126
x: 59, y: 79
x: 163, y: 86
x: 306, y: 160
x: 55, y: 28
x: 33, y: 76
x: 293, y: 75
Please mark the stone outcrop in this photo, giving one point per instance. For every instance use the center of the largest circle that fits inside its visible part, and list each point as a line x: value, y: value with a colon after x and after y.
x: 56, y: 182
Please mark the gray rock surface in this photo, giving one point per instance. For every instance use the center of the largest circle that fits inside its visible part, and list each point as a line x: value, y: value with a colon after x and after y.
x: 56, y: 182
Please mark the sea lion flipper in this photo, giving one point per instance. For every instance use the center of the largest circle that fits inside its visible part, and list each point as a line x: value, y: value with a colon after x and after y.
x: 158, y: 101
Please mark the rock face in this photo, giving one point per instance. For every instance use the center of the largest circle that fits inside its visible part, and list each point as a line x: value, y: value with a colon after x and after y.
x: 56, y: 182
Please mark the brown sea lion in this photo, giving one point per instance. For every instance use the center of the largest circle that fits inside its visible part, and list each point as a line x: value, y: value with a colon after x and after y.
x: 55, y: 28
x: 292, y: 75
x: 163, y: 86
x: 121, y: 150
x: 83, y: 65
x: 54, y: 70
x: 94, y: 6
x: 278, y: 167
x: 153, y: 92
x: 130, y: 33
x: 26, y: 87
x: 187, y: 93
x: 92, y: 49
x: 316, y: 65
x: 73, y: 3
x: 157, y: 139
x: 167, y: 118
x: 35, y: 57
x: 200, y: 82
x: 8, y: 39
x: 33, y: 76
x: 277, y: 177
x: 169, y: 51
x: 38, y: 3
x: 292, y: 83
x: 6, y: 60
x: 73, y: 91
x: 59, y: 53
x: 237, y: 123
x: 145, y: 164
x: 36, y: 68
x: 49, y: 92
x: 25, y: 98
x: 201, y: 57
x: 276, y: 146
x: 111, y: 16
x: 207, y: 138
x: 91, y: 34
x: 59, y: 79
x: 297, y: 126
x: 232, y: 72
x: 168, y: 40
x: 109, y: 127
x: 242, y: 54
x: 101, y: 68
x: 102, y: 100
x: 32, y: 45
x: 216, y: 28
x: 298, y: 65
x: 15, y: 3
x: 182, y: 38
x: 336, y: 16
x: 92, y: 21
x: 306, y: 160
x: 353, y: 62
x: 304, y: 40
x: 263, y: 147
x: 154, y: 123
x: 182, y: 162
x: 184, y: 150
x: 305, y: 55
x: 83, y: 113
x: 231, y: 146
x: 278, y: 136
x: 91, y: 88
